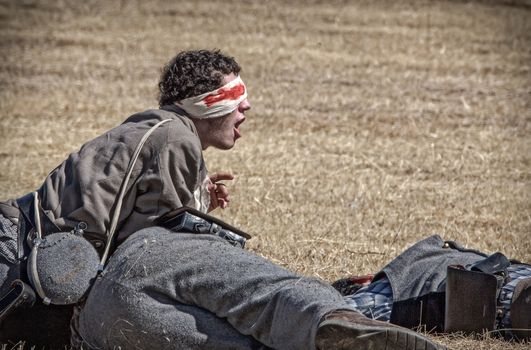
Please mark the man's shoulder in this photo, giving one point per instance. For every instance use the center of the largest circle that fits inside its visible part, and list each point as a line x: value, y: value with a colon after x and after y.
x: 125, y: 136
x: 180, y: 129
x: 148, y: 118
x: 152, y: 116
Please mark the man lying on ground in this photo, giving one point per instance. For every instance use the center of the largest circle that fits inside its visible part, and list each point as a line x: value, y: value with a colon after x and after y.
x: 446, y: 287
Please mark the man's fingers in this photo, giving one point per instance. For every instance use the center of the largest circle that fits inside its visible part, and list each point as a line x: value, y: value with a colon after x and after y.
x: 222, y: 190
x: 213, y: 197
x: 222, y: 175
x: 223, y: 203
x: 219, y: 193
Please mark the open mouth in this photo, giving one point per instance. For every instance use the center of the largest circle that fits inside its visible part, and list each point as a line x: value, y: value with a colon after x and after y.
x: 237, y: 131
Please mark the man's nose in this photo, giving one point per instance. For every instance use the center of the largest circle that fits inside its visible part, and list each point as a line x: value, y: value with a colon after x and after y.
x: 245, y: 105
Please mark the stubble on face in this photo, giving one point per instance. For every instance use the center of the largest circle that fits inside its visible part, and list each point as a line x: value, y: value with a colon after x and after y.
x: 219, y: 132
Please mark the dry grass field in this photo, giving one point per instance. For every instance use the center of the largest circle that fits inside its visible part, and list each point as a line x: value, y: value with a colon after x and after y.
x: 374, y: 123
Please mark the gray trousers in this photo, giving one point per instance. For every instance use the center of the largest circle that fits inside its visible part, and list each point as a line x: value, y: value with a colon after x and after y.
x: 164, y: 290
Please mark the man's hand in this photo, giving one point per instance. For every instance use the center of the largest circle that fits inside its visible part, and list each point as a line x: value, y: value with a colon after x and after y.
x: 219, y: 193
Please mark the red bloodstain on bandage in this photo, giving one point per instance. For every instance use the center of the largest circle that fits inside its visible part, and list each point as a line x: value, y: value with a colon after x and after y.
x: 232, y: 93
x: 216, y: 103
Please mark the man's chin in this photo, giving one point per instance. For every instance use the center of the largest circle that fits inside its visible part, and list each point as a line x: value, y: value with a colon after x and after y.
x: 224, y: 146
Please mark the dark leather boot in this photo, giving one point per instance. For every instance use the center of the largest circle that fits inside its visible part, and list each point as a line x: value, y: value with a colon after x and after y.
x: 349, y: 330
x: 521, y: 310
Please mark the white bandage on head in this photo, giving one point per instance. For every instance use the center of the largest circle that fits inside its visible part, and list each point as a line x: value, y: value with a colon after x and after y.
x: 215, y: 103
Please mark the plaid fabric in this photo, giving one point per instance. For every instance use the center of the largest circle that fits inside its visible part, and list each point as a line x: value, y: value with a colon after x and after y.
x: 517, y: 272
x: 374, y: 301
x: 8, y: 240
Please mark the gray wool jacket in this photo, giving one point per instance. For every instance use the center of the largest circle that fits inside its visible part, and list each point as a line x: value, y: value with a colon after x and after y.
x: 421, y: 269
x: 418, y: 280
x: 169, y: 173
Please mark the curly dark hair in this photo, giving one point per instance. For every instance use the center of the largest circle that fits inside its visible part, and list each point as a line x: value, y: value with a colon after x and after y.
x: 193, y: 73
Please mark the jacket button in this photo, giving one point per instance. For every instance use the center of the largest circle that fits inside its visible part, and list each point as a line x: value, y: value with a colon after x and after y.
x: 446, y: 245
x: 97, y: 244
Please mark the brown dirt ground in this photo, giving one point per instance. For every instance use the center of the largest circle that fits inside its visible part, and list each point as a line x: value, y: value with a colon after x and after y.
x: 374, y: 123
